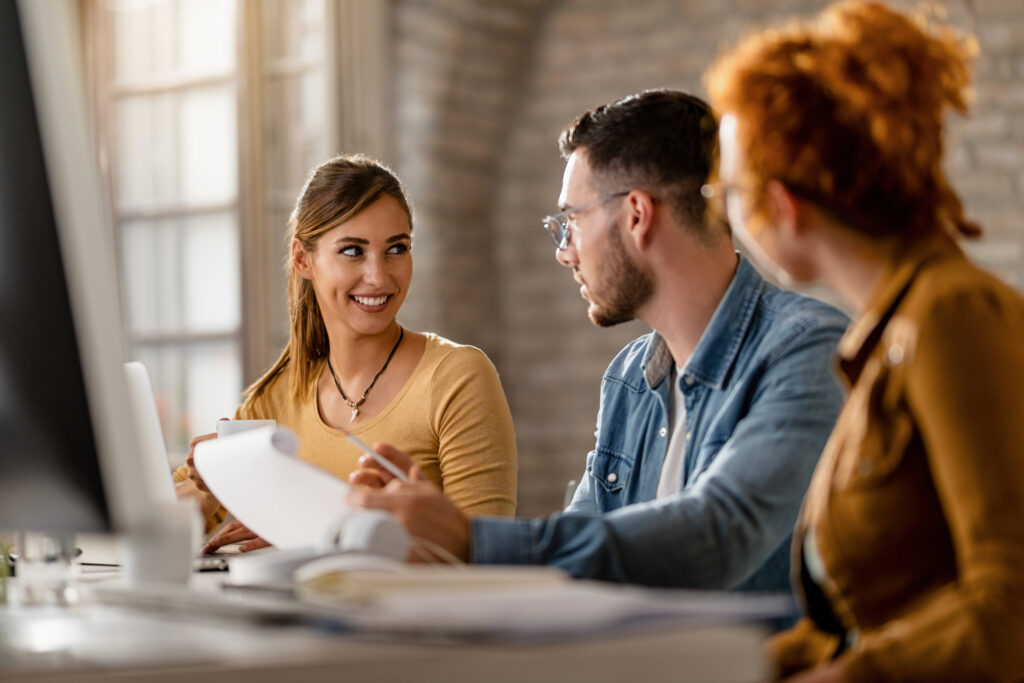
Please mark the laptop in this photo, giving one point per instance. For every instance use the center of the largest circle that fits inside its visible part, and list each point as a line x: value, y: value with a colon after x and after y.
x: 156, y: 468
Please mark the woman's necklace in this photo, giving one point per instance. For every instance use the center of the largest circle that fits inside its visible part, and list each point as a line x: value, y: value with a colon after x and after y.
x: 354, y: 405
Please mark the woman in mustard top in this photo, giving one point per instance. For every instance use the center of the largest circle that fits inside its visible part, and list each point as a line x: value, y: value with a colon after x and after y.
x: 908, y: 554
x: 350, y: 364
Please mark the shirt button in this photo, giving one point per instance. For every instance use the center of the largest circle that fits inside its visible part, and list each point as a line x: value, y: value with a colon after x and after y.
x: 612, y: 478
x: 688, y: 380
x: 688, y: 435
x: 662, y: 432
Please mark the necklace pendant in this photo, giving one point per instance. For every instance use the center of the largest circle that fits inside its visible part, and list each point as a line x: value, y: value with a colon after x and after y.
x: 355, y: 411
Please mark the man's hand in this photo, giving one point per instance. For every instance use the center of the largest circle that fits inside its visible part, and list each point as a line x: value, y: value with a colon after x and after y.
x: 233, y: 532
x: 423, y: 510
x: 372, y: 474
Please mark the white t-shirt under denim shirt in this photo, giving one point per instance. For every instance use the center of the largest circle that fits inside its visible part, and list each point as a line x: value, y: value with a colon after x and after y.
x: 672, y: 468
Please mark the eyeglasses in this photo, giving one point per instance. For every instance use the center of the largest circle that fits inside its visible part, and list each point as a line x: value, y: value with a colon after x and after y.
x: 557, y: 225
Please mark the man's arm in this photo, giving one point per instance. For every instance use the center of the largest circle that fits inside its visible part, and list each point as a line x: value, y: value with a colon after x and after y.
x: 722, y: 528
x: 714, y: 534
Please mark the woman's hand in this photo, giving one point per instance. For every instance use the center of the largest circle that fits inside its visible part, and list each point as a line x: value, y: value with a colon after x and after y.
x: 208, y: 504
x: 234, y: 532
x: 372, y: 474
x: 194, y: 486
x: 193, y: 473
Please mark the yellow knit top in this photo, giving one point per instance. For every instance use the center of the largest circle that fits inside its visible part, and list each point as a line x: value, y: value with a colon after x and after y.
x: 451, y: 417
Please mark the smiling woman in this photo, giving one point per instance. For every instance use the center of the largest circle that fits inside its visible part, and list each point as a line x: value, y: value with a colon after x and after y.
x: 350, y: 366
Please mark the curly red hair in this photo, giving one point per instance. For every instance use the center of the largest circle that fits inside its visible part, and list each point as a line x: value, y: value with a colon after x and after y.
x: 847, y: 111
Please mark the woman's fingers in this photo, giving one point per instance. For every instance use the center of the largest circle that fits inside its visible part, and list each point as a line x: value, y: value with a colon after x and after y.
x: 233, y: 532
x: 254, y: 544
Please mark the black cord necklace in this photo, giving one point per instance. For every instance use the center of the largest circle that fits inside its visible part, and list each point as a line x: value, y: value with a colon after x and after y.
x: 354, y: 405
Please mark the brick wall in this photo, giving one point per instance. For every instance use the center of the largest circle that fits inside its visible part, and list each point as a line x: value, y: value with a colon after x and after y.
x: 481, y: 90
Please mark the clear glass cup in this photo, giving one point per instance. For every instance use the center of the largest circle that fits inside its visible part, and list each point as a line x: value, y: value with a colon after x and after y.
x: 42, y: 568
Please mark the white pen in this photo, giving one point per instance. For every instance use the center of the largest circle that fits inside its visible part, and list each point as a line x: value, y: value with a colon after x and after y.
x: 381, y: 460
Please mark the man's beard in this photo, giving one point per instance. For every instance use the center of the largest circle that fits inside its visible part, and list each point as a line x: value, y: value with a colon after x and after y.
x: 622, y: 286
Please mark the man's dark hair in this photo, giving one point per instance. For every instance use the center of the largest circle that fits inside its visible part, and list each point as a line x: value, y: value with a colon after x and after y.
x: 660, y: 141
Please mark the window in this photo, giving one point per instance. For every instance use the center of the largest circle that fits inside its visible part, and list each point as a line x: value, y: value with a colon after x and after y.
x: 209, y: 115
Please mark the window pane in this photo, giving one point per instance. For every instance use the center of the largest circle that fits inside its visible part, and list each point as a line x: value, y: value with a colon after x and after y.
x: 206, y: 39
x: 177, y: 148
x: 181, y: 275
x: 144, y: 33
x: 211, y: 279
x: 293, y: 29
x: 150, y: 258
x: 146, y: 138
x: 186, y: 38
x: 209, y: 148
x: 213, y: 385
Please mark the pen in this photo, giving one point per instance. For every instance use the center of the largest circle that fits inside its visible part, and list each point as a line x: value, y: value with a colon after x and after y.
x: 381, y: 460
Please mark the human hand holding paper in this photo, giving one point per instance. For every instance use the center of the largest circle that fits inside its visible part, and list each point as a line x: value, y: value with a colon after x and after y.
x: 193, y: 473
x: 290, y: 503
x: 425, y: 512
x: 373, y: 474
x: 194, y: 487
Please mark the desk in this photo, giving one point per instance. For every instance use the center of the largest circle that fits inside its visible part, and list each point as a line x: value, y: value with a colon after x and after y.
x: 96, y: 642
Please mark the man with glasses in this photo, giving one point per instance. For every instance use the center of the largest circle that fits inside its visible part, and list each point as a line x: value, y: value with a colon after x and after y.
x: 709, y: 426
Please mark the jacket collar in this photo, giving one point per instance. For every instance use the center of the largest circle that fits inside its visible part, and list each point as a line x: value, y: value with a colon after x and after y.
x: 720, y: 343
x: 864, y: 333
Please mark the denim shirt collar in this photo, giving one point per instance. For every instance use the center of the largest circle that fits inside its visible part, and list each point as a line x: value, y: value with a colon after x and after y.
x: 716, y: 351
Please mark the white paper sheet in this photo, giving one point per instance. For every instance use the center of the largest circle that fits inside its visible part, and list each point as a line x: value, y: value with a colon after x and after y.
x: 287, y: 501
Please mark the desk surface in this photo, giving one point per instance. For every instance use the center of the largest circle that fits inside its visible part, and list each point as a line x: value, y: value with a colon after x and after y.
x: 98, y: 642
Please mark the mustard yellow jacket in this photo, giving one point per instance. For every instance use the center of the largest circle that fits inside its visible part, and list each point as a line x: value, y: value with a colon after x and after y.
x: 917, y: 505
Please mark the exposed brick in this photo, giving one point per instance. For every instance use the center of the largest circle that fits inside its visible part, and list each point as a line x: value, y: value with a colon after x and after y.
x: 1000, y: 94
x: 999, y: 155
x: 988, y: 125
x: 986, y: 185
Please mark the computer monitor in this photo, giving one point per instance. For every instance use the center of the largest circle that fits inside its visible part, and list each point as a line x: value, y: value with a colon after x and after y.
x: 68, y: 442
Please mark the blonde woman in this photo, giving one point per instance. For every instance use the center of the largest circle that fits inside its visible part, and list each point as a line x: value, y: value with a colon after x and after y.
x: 350, y: 364
x: 908, y: 554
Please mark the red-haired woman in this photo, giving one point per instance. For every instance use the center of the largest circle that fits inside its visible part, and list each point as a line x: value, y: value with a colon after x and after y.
x: 909, y: 551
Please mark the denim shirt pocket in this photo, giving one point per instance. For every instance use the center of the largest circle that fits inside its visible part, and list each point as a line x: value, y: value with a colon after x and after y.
x: 610, y: 471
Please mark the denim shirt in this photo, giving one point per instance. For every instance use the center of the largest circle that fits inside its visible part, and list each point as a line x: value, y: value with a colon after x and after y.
x: 761, y: 398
